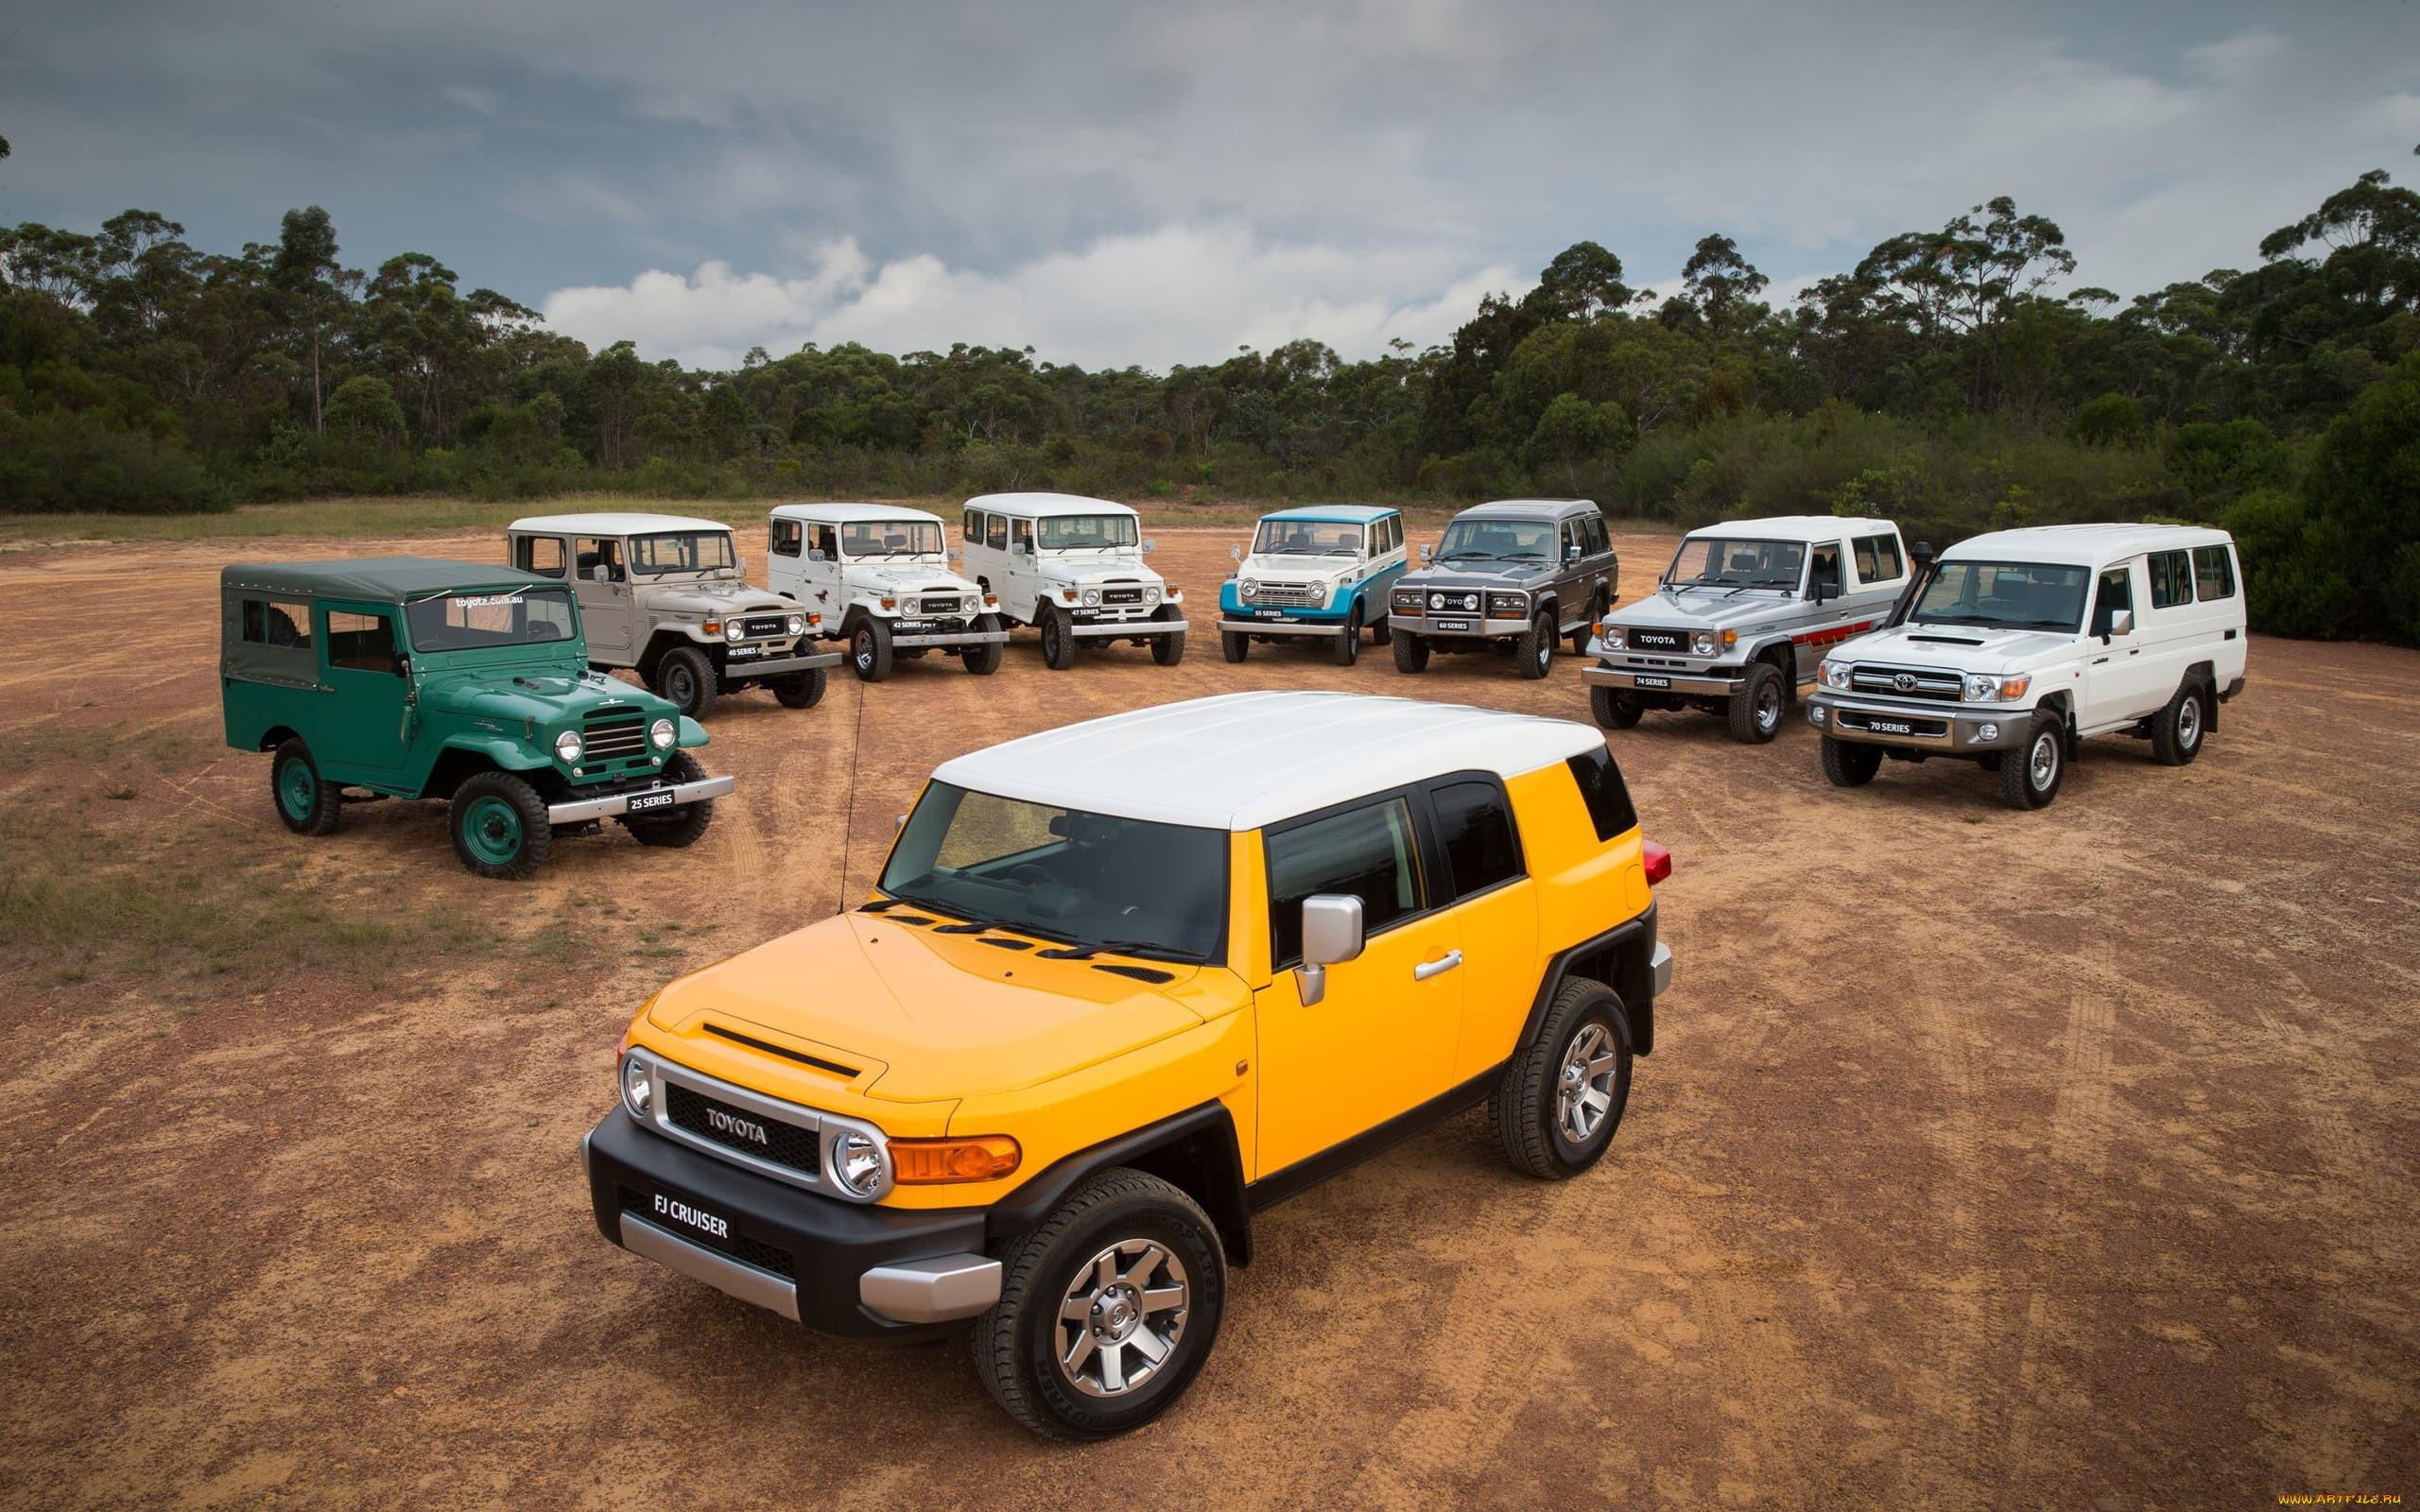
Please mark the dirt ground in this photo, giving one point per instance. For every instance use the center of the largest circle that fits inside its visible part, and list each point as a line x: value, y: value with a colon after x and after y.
x: 1985, y: 1160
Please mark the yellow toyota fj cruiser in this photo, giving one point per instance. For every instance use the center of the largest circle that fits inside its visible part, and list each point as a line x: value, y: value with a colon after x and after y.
x: 1121, y: 985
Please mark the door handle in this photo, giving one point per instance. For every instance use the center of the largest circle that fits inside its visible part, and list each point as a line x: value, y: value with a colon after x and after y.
x: 1437, y: 967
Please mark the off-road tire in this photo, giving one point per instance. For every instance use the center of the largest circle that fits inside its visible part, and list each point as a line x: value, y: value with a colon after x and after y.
x: 2177, y: 731
x: 2022, y: 786
x: 1057, y: 644
x: 869, y: 649
x: 686, y: 678
x: 1850, y: 763
x: 1346, y: 649
x: 498, y: 825
x: 1587, y: 631
x: 1760, y: 705
x: 1380, y: 631
x: 1614, y: 709
x: 1017, y: 1338
x: 800, y: 690
x: 1526, y: 1109
x: 1166, y: 650
x: 983, y: 659
x: 1533, y: 653
x: 304, y: 803
x: 1234, y: 645
x: 1411, y: 653
x: 683, y: 825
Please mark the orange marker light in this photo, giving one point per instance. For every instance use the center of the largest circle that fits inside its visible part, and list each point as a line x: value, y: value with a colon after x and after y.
x: 934, y: 1163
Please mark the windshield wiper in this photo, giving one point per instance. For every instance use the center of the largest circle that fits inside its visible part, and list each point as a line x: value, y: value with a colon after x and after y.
x: 1468, y: 556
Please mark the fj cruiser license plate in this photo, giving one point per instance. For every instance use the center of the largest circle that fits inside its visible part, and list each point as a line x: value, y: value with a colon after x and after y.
x: 1889, y: 726
x: 661, y: 798
x: 1644, y: 680
x: 1463, y: 626
x: 1269, y: 613
x: 689, y: 1215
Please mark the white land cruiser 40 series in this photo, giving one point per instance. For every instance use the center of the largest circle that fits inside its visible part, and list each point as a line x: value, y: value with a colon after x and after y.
x: 668, y: 597
x: 880, y: 576
x: 2017, y: 645
x: 1741, y: 617
x: 1073, y: 569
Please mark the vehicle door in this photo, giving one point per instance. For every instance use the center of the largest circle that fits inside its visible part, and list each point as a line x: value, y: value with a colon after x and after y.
x: 1383, y: 1039
x: 1571, y: 580
x: 1026, y: 581
x: 360, y: 728
x: 601, y: 581
x: 2169, y: 627
x: 1493, y: 904
x: 2118, y: 682
x: 785, y: 557
x: 1826, y: 611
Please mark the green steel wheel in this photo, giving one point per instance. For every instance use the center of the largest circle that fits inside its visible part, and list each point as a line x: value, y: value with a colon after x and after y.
x: 304, y: 803
x: 499, y: 826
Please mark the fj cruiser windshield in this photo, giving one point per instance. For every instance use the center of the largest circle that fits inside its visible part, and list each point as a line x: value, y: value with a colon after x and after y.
x: 890, y: 537
x: 1085, y: 882
x: 1306, y: 537
x: 2004, y: 594
x: 688, y: 551
x: 1498, y: 541
x: 1737, y: 563
x: 1067, y: 531
x: 472, y: 622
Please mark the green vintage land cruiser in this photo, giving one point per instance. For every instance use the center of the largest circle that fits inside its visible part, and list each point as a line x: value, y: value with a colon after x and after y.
x: 406, y: 677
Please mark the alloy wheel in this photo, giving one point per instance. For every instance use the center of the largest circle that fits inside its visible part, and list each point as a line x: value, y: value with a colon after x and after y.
x: 1121, y: 1318
x: 1584, y: 1086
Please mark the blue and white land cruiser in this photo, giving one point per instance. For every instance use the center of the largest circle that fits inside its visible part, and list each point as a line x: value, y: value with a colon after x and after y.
x: 1322, y: 569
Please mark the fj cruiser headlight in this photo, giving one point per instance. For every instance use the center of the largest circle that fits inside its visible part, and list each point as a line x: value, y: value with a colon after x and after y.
x: 1703, y: 642
x: 661, y: 734
x: 1247, y: 590
x: 637, y: 1087
x: 567, y: 746
x: 733, y: 629
x: 856, y: 1163
x: 1092, y: 598
x: 1319, y: 594
x: 1612, y: 637
x: 796, y: 623
x: 1834, y: 675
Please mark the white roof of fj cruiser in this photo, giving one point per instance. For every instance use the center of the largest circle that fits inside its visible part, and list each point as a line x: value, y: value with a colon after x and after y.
x: 842, y: 514
x: 1811, y: 528
x: 612, y: 525
x: 1243, y: 759
x: 1044, y: 505
x: 2083, y: 546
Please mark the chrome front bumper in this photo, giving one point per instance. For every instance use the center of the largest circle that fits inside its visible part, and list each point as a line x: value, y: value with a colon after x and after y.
x: 950, y: 638
x: 1626, y: 679
x: 761, y: 1288
x: 781, y: 666
x: 1122, y: 629
x: 1281, y: 627
x: 1940, y: 726
x: 939, y: 1290
x: 684, y: 794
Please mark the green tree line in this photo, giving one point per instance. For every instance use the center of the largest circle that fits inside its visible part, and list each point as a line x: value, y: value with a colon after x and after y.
x: 1954, y: 379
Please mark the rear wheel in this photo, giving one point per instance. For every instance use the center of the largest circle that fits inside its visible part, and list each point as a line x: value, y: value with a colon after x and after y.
x: 1533, y: 653
x: 1614, y: 709
x: 1587, y: 631
x: 1556, y: 1107
x: 1380, y: 631
x: 1757, y: 709
x: 686, y: 678
x: 306, y: 804
x: 499, y: 826
x: 870, y: 649
x: 800, y: 690
x: 1168, y: 650
x: 1347, y: 649
x: 1234, y: 644
x: 1411, y: 653
x: 1058, y: 645
x: 2176, y: 731
x: 2029, y: 777
x: 683, y: 825
x: 983, y: 659
x: 1850, y: 763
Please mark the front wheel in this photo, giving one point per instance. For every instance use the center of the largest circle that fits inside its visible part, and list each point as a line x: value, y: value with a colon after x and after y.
x: 1234, y: 645
x: 1850, y: 763
x: 1533, y: 653
x: 1560, y: 1099
x: 870, y: 649
x: 307, y: 804
x: 1380, y: 631
x: 683, y: 826
x: 1166, y: 650
x: 2029, y: 778
x: 1614, y: 709
x: 1107, y: 1311
x: 686, y: 678
x: 800, y: 690
x: 499, y: 826
x: 1411, y: 653
x: 1348, y: 642
x: 1057, y: 643
x: 983, y: 659
x: 1757, y: 709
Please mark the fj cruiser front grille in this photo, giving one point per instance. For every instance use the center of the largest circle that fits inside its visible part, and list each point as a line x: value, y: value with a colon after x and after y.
x: 1121, y: 595
x: 738, y: 1128
x: 605, y: 739
x: 1905, y: 683
x: 739, y: 1246
x: 1280, y: 595
x: 764, y: 628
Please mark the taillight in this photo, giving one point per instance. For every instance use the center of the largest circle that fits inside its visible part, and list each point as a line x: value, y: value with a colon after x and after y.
x: 1658, y: 860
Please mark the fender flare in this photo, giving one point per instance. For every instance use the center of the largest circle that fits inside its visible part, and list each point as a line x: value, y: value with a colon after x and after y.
x: 1196, y: 1150
x: 1631, y: 945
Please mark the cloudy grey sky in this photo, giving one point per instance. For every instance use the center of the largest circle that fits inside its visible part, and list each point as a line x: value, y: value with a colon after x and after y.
x: 1118, y: 183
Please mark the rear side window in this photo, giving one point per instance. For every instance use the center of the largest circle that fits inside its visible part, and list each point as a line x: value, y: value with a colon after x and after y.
x: 2213, y: 573
x: 788, y: 538
x: 1877, y: 558
x: 1598, y: 541
x: 2171, y: 579
x: 972, y: 531
x: 543, y: 555
x: 1475, y: 824
x: 1368, y: 851
x: 279, y: 624
x: 1602, y: 789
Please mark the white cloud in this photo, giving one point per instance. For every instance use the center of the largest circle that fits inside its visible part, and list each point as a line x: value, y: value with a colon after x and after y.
x: 480, y: 102
x: 1186, y: 293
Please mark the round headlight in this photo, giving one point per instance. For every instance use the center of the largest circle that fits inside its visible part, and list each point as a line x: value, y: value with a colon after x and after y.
x: 1981, y: 689
x: 637, y: 1086
x: 1319, y: 594
x: 733, y: 629
x: 1987, y: 731
x: 1247, y: 588
x: 1470, y: 601
x: 857, y: 1163
x: 1612, y: 639
x: 567, y: 746
x: 661, y: 734
x: 1151, y: 596
x: 1703, y: 642
x: 1436, y: 601
x: 1092, y: 597
x: 797, y: 624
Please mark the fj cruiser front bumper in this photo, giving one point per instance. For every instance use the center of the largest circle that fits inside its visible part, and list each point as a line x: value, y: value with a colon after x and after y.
x: 833, y: 1265
x: 1955, y: 729
x: 606, y: 805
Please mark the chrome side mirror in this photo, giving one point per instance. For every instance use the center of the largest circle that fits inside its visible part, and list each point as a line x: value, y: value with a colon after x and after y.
x: 1427, y: 552
x: 1331, y: 936
x: 1235, y: 552
x: 2122, y: 622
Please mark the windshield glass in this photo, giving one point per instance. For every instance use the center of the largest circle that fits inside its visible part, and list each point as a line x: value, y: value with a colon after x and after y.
x: 890, y: 537
x: 2017, y: 594
x: 1127, y: 886
x: 472, y: 622
x: 1098, y: 531
x: 1498, y: 541
x: 687, y: 551
x: 1306, y: 537
x: 1735, y: 563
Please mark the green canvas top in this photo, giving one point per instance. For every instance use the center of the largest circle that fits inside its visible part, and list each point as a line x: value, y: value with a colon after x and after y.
x: 377, y: 579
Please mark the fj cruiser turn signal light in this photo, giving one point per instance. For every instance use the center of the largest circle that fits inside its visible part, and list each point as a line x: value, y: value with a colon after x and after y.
x: 1657, y: 860
x: 933, y: 1162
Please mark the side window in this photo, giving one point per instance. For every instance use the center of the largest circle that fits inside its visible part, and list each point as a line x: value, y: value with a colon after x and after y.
x: 1394, y: 532
x: 1572, y: 542
x: 364, y: 642
x: 1369, y: 851
x: 1476, y: 822
x: 1600, y: 539
x: 1877, y: 558
x: 1602, y: 789
x: 280, y: 624
x: 971, y: 530
x: 597, y: 561
x: 1024, y: 531
x: 2172, y: 579
x: 543, y: 555
x: 2116, y: 591
x: 826, y: 541
x: 2213, y: 573
x: 788, y: 538
x: 1826, y: 571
